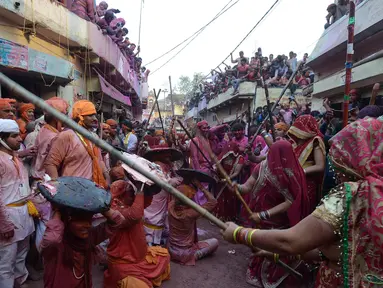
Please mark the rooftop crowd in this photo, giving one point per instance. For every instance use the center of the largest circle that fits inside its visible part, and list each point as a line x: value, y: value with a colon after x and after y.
x: 275, y: 71
x: 114, y: 27
x: 337, y: 10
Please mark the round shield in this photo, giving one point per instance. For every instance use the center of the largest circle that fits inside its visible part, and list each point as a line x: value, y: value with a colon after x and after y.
x: 76, y: 193
x: 175, y: 154
x: 191, y: 174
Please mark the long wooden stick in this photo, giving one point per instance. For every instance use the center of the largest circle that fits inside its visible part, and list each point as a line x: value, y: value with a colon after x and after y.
x: 269, y: 108
x: 300, y: 63
x: 227, y: 178
x: 16, y: 89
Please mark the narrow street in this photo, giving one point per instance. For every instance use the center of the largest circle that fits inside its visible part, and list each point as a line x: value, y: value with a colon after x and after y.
x: 222, y: 270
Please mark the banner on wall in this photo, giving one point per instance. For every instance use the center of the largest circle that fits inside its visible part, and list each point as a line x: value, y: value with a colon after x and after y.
x: 13, y: 54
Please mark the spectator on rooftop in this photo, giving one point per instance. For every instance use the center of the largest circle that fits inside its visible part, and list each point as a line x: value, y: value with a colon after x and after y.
x: 335, y: 12
x: 242, y: 74
x: 293, y: 62
x: 104, y: 23
x: 304, y: 79
x: 239, y: 59
x: 84, y: 9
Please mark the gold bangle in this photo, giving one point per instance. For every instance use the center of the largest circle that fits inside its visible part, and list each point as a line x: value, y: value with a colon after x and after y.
x: 249, y: 238
x: 235, y: 233
x: 276, y: 257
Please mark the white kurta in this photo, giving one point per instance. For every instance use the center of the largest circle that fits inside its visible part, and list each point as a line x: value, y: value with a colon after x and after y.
x: 14, y: 186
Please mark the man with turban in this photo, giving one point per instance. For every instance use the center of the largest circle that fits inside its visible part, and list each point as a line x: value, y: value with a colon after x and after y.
x: 73, y: 155
x: 198, y: 155
x: 16, y: 225
x: 281, y: 129
x: 130, y: 141
x: 27, y: 114
x: 13, y: 103
x: 6, y: 111
x: 46, y: 134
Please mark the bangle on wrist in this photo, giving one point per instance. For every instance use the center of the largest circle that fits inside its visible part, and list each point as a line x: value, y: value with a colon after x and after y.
x: 276, y: 258
x: 249, y: 242
x: 235, y: 233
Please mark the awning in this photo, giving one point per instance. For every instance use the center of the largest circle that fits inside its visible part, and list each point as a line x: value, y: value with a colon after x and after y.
x: 112, y: 92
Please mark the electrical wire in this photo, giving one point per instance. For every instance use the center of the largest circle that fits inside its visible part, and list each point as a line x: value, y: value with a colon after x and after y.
x: 247, y: 35
x: 195, y: 36
x: 197, y: 32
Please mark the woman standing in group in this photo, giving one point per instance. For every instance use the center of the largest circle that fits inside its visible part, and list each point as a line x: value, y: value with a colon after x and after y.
x: 344, y: 233
x: 279, y: 200
x: 311, y: 152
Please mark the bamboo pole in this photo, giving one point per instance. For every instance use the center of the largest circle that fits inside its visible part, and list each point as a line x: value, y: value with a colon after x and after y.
x: 269, y: 108
x: 16, y: 89
x: 300, y: 63
x: 349, y: 62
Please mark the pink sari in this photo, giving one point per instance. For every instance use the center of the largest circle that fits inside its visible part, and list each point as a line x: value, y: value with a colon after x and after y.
x: 279, y: 178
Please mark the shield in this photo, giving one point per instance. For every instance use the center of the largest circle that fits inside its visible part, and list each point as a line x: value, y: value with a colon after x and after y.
x: 191, y: 174
x: 76, y: 193
x: 175, y: 154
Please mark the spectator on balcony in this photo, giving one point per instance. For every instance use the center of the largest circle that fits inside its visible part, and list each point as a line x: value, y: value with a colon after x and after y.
x: 101, y: 9
x: 304, y: 79
x: 239, y: 59
x: 117, y: 25
x: 242, y: 74
x: 305, y: 57
x: 104, y: 23
x: 119, y: 37
x: 292, y: 62
x: 84, y: 9
x: 335, y: 12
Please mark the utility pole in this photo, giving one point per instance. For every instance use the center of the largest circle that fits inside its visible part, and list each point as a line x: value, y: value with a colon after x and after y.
x: 349, y: 62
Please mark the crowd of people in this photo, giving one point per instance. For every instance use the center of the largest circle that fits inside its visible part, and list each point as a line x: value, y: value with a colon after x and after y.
x: 337, y: 10
x: 114, y: 27
x: 301, y: 178
x: 275, y: 72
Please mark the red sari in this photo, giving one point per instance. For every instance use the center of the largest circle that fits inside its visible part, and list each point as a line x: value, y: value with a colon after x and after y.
x: 227, y: 206
x: 306, y: 128
x: 279, y: 178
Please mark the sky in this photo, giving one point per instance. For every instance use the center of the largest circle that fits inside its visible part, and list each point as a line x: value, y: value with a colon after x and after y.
x: 293, y: 25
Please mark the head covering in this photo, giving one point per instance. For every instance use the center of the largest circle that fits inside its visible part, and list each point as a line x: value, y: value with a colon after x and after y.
x: 282, y: 126
x: 105, y: 126
x: 117, y: 173
x: 4, y: 104
x: 305, y: 128
x: 187, y: 190
x: 121, y: 188
x: 10, y: 100
x: 370, y: 111
x: 59, y: 104
x: 24, y: 108
x: 285, y: 174
x: 111, y: 122
x: 357, y: 152
x: 9, y: 126
x: 83, y: 108
x: 202, y: 123
x: 231, y: 148
x: 127, y: 123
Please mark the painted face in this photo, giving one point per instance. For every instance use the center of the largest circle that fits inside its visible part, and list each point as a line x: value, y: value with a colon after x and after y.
x: 14, y: 141
x: 204, y: 130
x: 91, y: 122
x: 238, y: 134
x: 105, y: 134
x: 113, y: 130
x: 80, y: 227
x: 6, y: 114
x: 31, y: 115
x: 279, y: 132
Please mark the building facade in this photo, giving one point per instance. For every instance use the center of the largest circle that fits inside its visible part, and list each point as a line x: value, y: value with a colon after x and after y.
x: 51, y: 51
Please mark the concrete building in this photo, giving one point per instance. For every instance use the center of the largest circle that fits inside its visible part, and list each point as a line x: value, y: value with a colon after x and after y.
x: 226, y: 108
x: 51, y: 51
x: 329, y: 55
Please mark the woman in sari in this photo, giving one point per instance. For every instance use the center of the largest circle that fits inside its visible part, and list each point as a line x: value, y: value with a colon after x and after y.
x: 310, y: 150
x: 344, y: 233
x: 232, y: 163
x: 279, y: 199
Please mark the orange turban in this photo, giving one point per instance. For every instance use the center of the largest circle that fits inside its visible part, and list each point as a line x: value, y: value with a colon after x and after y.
x: 10, y: 100
x: 282, y: 126
x: 187, y: 190
x: 111, y: 122
x: 83, y: 108
x: 59, y: 104
x: 105, y: 126
x: 4, y: 104
x: 24, y: 108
